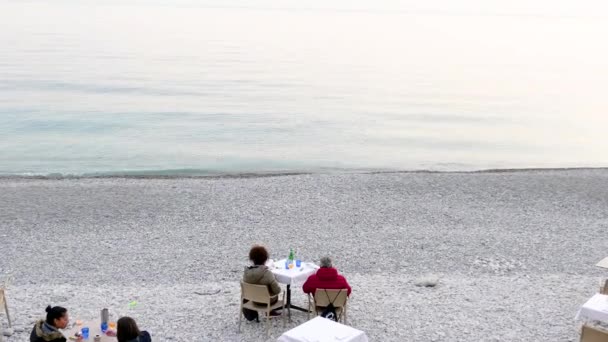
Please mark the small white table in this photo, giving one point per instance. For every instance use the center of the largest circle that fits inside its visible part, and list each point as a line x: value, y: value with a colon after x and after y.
x: 293, y: 276
x: 321, y: 329
x: 94, y: 329
x: 595, y: 309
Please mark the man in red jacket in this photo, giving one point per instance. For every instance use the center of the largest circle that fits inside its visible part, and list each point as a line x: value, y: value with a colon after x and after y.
x: 327, y: 277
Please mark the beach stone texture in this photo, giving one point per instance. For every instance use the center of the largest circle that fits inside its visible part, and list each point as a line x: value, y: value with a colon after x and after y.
x: 482, y: 256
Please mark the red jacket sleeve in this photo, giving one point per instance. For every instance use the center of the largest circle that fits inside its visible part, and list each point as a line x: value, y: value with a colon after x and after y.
x: 308, y: 286
x: 345, y: 284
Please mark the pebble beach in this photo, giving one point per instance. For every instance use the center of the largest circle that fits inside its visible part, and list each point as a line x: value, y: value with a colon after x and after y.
x: 448, y: 256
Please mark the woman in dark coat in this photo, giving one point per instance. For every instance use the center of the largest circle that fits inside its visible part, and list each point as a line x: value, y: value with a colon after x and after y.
x: 47, y: 330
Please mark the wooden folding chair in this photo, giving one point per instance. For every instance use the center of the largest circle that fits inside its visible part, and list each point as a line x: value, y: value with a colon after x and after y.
x: 258, y: 298
x: 589, y: 334
x: 4, y: 303
x: 604, y: 288
x: 322, y: 298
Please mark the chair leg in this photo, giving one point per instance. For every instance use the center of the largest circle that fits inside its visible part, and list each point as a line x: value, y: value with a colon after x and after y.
x: 283, y: 314
x: 308, y: 313
x: 8, y: 316
x: 240, y: 315
x: 283, y: 318
x: 268, y: 323
x: 10, y: 324
x: 344, y: 312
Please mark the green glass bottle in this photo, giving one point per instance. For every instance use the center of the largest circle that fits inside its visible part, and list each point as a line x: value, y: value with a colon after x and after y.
x: 291, y: 256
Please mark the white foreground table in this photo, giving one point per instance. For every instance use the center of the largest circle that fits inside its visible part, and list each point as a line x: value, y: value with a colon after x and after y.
x: 321, y: 329
x: 595, y: 309
x: 603, y: 263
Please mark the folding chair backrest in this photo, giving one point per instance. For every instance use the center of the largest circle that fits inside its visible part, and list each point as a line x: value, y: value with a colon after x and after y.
x: 590, y: 334
x: 337, y: 297
x: 604, y: 288
x: 255, y: 293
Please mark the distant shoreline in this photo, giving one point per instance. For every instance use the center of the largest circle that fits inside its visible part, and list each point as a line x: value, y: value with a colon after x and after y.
x: 195, y: 174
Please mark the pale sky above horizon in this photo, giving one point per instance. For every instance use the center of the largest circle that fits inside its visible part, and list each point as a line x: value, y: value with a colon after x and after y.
x: 488, y: 7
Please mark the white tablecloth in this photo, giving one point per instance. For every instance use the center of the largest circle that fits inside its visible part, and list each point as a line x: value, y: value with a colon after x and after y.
x: 294, y: 276
x: 322, y: 329
x: 94, y: 329
x: 595, y: 309
x: 603, y: 263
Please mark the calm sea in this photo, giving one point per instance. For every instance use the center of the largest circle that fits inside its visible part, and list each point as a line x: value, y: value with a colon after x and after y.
x: 252, y: 86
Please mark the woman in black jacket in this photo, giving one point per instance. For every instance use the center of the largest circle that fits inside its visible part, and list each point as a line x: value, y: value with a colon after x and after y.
x: 127, y: 331
x: 46, y: 330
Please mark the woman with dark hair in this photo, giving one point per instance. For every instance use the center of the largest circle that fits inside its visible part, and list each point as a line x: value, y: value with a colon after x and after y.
x: 127, y: 331
x: 260, y: 274
x: 47, y: 330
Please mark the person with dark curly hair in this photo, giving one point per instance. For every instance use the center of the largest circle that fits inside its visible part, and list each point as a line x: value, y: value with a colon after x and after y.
x: 127, y: 331
x: 47, y: 330
x: 259, y: 273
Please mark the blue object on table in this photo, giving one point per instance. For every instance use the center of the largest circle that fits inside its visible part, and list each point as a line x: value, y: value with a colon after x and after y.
x: 298, y: 263
x: 104, y: 327
x: 287, y: 264
x: 85, y: 332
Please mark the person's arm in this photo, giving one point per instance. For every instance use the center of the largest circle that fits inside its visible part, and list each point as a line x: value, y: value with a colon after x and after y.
x: 275, y: 288
x: 308, y: 286
x: 273, y: 284
x: 346, y: 286
x: 244, y: 273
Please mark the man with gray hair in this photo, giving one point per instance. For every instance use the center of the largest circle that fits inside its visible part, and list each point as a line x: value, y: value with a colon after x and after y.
x: 327, y: 277
x: 326, y: 262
